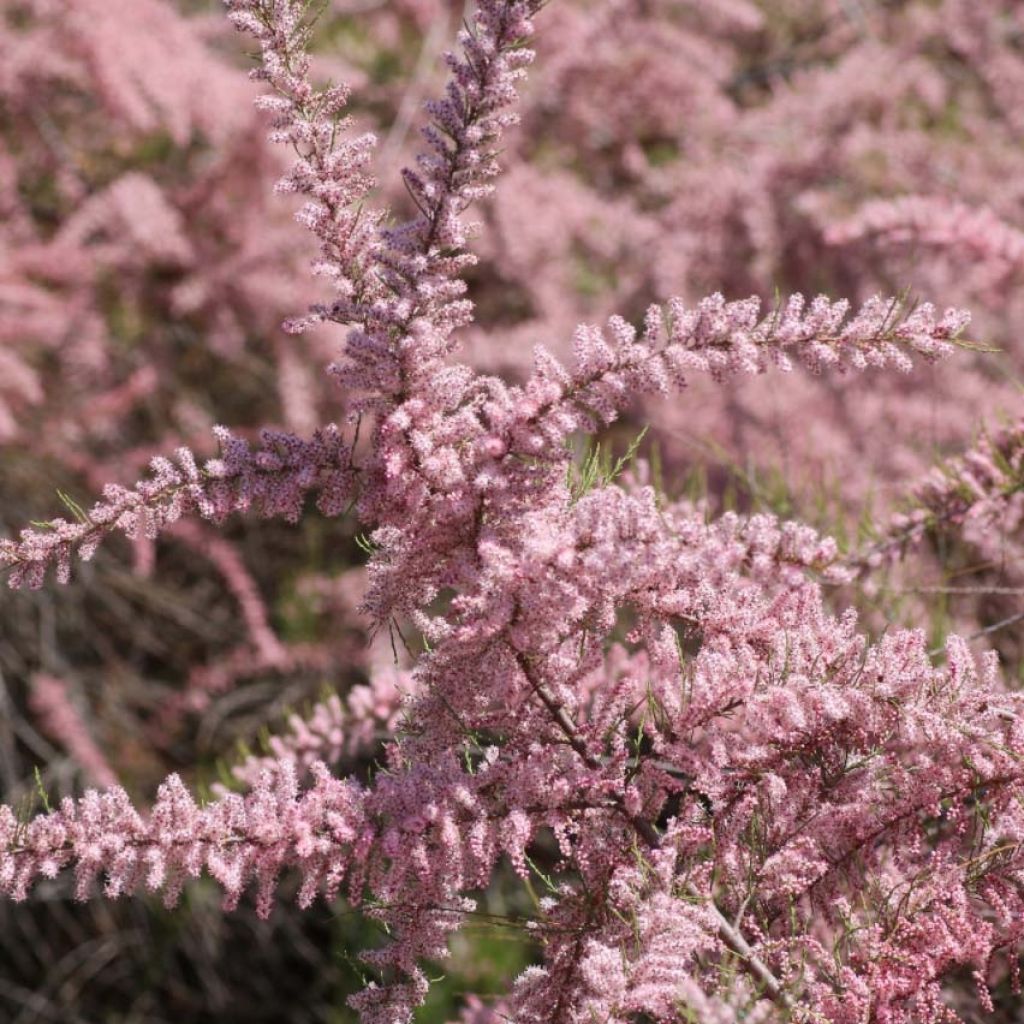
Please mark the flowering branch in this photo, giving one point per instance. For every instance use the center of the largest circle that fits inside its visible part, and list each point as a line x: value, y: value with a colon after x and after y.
x: 236, y: 839
x: 61, y: 720
x: 331, y: 169
x: 725, y: 339
x: 273, y: 481
x: 979, y: 489
x: 963, y: 231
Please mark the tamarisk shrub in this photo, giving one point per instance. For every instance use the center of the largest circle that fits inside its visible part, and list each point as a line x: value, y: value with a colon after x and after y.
x: 759, y: 813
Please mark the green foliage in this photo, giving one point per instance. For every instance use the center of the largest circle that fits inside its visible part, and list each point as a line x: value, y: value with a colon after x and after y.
x: 598, y: 466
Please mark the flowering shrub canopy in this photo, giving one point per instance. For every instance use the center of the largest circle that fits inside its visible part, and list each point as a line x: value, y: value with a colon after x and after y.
x: 760, y: 812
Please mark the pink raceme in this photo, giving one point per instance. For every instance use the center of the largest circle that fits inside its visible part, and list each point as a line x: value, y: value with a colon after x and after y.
x: 273, y: 481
